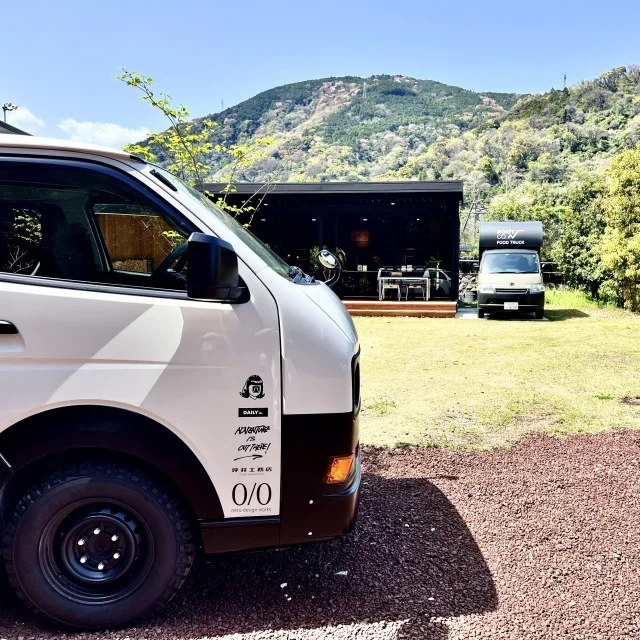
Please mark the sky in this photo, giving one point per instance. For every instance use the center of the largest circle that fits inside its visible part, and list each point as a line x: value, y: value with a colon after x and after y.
x: 58, y: 58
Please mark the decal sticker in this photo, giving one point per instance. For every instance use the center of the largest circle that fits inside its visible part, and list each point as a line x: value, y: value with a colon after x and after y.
x: 253, y: 413
x: 254, y: 458
x: 252, y: 444
x: 249, y: 495
x: 253, y: 388
x: 252, y: 471
x: 251, y: 431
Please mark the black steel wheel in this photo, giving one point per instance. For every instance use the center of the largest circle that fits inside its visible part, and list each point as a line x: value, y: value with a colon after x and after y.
x: 95, y: 552
x: 97, y: 545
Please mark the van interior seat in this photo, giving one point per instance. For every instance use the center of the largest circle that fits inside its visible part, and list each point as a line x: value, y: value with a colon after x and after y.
x: 63, y: 252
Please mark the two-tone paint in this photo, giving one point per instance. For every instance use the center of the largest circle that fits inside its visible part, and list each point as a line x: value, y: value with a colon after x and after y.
x: 162, y: 375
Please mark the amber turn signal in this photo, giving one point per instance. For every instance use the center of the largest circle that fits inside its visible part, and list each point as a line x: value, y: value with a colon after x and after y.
x: 338, y: 469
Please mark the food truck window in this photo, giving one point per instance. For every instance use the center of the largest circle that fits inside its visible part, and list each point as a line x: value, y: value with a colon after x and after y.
x: 510, y: 263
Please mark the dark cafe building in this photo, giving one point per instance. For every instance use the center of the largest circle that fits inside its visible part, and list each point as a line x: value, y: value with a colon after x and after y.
x: 387, y: 225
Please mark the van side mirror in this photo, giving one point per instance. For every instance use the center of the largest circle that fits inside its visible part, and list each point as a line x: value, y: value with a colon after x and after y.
x: 212, y: 269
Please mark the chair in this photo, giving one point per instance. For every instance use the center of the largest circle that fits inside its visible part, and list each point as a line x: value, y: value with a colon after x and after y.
x: 421, y: 286
x: 394, y: 286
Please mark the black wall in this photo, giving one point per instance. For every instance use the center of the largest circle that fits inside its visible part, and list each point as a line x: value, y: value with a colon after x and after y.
x: 421, y: 230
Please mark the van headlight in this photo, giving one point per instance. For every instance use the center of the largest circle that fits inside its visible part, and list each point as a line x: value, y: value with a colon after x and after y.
x: 536, y: 288
x: 486, y: 288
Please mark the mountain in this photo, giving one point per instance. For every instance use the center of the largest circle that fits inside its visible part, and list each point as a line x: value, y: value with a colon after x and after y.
x: 399, y: 128
x: 353, y: 128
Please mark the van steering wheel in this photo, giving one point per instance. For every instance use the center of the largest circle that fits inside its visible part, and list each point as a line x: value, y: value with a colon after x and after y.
x: 177, y: 256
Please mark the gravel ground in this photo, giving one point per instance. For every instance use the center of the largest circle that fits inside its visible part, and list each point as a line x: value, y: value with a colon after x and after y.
x: 537, y: 542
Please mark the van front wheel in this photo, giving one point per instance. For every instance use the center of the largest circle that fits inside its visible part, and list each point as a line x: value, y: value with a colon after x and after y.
x: 97, y: 545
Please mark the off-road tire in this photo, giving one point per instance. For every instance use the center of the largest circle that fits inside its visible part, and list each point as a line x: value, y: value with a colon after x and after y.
x: 159, y: 519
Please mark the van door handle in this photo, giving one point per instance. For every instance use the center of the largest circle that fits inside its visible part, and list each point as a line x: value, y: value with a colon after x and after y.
x: 8, y: 328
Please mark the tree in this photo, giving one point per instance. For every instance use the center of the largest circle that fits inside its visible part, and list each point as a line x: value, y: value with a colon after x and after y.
x: 185, y: 148
x: 611, y: 79
x: 486, y: 166
x: 583, y: 223
x: 620, y: 248
x: 522, y: 150
x: 546, y: 168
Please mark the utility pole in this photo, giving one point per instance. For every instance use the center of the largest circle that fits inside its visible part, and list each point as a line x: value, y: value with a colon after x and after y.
x: 565, y: 80
x: 364, y: 91
x: 222, y: 105
x: 474, y: 214
x: 8, y: 106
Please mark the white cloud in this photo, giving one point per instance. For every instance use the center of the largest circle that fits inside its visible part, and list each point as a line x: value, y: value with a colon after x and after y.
x: 24, y: 119
x: 108, y: 134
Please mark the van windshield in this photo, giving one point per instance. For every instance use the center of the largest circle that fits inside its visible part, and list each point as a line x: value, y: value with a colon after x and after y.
x: 510, y: 263
x: 243, y: 234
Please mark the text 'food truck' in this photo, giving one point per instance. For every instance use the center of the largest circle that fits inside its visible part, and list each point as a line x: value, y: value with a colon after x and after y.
x: 510, y: 275
x: 167, y: 384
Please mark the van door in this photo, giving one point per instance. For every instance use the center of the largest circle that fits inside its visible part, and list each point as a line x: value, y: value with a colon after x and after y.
x: 96, y: 313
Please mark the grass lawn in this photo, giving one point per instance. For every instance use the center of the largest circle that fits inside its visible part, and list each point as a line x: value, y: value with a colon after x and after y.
x: 487, y: 383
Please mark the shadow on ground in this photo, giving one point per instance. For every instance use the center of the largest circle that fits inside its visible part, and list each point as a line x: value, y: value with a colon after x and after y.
x: 564, y: 314
x: 411, y: 559
x: 553, y: 315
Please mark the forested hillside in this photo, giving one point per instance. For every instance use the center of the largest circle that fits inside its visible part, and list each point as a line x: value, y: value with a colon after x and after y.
x: 353, y: 128
x: 408, y: 129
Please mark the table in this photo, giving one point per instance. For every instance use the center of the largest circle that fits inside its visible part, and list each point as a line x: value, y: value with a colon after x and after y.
x: 404, y: 282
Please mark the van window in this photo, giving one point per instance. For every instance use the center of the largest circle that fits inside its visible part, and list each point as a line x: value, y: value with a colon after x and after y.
x: 74, y: 223
x: 20, y: 237
x: 136, y: 238
x: 510, y: 263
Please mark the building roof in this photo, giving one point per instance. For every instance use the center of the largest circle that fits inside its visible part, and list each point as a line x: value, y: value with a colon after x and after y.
x: 5, y: 127
x: 54, y: 144
x: 378, y: 188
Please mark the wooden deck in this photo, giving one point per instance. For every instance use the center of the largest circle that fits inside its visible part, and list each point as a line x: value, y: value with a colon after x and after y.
x: 413, y: 308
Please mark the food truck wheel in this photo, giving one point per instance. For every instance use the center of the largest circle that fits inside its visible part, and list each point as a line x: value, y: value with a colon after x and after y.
x: 480, y: 313
x: 539, y: 314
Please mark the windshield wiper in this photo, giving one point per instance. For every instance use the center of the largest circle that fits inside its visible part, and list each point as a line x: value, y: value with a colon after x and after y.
x: 297, y: 274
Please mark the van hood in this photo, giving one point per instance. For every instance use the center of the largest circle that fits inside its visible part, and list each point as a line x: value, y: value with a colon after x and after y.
x: 328, y: 302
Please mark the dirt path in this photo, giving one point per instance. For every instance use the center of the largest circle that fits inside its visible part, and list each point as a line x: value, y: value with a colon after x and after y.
x: 539, y: 542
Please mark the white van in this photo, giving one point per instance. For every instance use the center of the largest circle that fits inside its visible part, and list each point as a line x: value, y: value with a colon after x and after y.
x: 510, y: 275
x: 167, y: 383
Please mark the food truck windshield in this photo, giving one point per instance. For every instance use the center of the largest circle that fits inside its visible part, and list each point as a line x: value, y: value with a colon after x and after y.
x: 511, y: 262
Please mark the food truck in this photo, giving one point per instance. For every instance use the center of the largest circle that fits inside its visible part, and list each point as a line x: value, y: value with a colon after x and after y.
x: 510, y: 276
